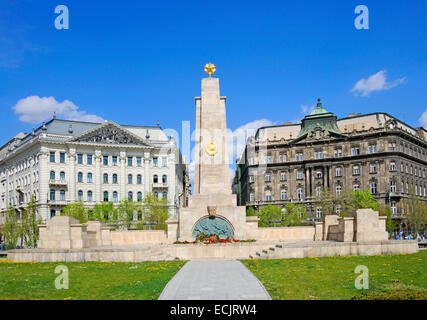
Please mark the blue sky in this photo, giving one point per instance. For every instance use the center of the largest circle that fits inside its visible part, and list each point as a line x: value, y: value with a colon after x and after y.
x: 136, y: 62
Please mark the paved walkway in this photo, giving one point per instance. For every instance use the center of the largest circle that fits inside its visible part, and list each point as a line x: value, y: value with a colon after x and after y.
x: 214, y: 280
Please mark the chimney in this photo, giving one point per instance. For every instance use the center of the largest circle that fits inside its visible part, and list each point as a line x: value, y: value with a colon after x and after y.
x: 351, y: 115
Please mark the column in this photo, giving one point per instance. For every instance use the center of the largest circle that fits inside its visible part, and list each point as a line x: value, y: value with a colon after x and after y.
x: 43, y: 183
x: 147, y: 173
x: 98, y: 159
x: 122, y: 177
x: 72, y: 177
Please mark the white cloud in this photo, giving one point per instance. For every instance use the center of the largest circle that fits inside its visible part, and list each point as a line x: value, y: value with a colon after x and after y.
x: 306, y: 109
x: 423, y: 119
x: 35, y: 109
x: 376, y: 82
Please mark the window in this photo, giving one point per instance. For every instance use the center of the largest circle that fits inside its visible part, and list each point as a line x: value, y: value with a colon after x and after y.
x: 356, y: 170
x: 372, y: 148
x: 392, y: 146
x: 393, y: 207
x: 267, y: 177
x: 89, y: 178
x: 392, y: 166
x: 105, y: 196
x: 373, y: 187
x: 355, y: 151
x: 62, y: 176
x: 268, y: 195
x: 130, y: 179
x: 139, y: 179
x: 89, y: 159
x: 251, y: 197
x: 80, y: 177
x: 130, y: 196
x: 338, y: 153
x: 300, y: 194
x: 338, y: 210
x: 62, y: 195
x: 319, y: 191
x: 105, y: 159
x: 299, y: 174
x: 89, y: 196
x: 318, y: 155
x: 155, y: 179
x: 373, y: 167
x: 52, y: 175
x: 52, y: 195
x: 156, y: 194
x: 155, y: 159
x: 115, y: 196
x: 138, y: 161
x: 130, y: 161
x: 80, y: 195
x: 105, y: 178
x: 114, y: 160
x: 356, y: 187
x: 52, y: 156
x: 319, y: 174
x: 115, y: 180
x: 284, y: 195
x: 165, y: 195
x: 401, y: 167
x: 62, y: 157
x: 299, y: 156
x: 164, y: 178
x: 251, y: 178
x: 338, y: 190
x: 393, y: 186
x: 318, y: 213
x: 338, y: 172
x: 281, y: 158
x: 52, y: 213
x: 80, y: 159
x: 283, y: 176
x: 164, y: 161
x: 139, y: 196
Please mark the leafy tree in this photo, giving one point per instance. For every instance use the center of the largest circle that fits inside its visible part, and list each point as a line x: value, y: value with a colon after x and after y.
x: 76, y: 210
x: 268, y: 215
x: 104, y: 212
x: 10, y: 229
x: 330, y: 202
x: 126, y: 210
x: 414, y: 210
x: 155, y: 210
x: 362, y: 200
x: 390, y: 223
x: 250, y: 212
x: 296, y: 215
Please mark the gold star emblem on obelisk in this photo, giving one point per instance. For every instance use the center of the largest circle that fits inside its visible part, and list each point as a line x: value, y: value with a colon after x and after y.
x: 211, y: 148
x: 210, y: 69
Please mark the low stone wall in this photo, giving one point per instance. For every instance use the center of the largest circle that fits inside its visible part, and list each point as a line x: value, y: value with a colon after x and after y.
x: 217, y: 251
x: 121, y: 238
x: 287, y: 233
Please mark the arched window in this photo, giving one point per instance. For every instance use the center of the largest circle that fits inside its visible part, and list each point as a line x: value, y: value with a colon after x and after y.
x: 62, y: 176
x: 115, y: 197
x: 139, y: 179
x: 52, y: 195
x: 52, y: 175
x: 130, y: 179
x: 80, y: 195
x: 139, y: 195
x: 105, y: 196
x: 80, y: 177
x: 284, y: 194
x: 164, y: 178
x: 300, y: 194
x: 115, y: 181
x: 89, y: 177
x: 89, y: 196
x: 155, y: 179
x: 130, y: 196
x: 105, y: 178
x: 156, y: 194
x: 62, y: 195
x: 165, y: 194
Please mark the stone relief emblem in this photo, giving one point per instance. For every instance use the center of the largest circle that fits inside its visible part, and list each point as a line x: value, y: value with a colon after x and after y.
x: 108, y: 135
x: 212, y: 211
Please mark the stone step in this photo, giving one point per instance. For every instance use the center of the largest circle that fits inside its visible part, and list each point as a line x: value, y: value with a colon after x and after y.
x: 279, y: 246
x: 271, y: 249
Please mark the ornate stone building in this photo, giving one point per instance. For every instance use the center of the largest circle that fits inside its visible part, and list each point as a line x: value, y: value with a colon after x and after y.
x: 295, y: 162
x: 67, y: 161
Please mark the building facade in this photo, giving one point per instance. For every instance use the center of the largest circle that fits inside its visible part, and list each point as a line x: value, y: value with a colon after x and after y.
x: 296, y: 162
x: 66, y: 161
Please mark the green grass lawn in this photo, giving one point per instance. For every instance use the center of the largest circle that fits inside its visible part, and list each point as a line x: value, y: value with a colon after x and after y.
x: 390, y: 276
x: 89, y: 280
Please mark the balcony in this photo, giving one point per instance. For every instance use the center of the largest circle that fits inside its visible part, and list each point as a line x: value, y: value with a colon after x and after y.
x: 58, y: 202
x: 159, y: 185
x: 59, y: 182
